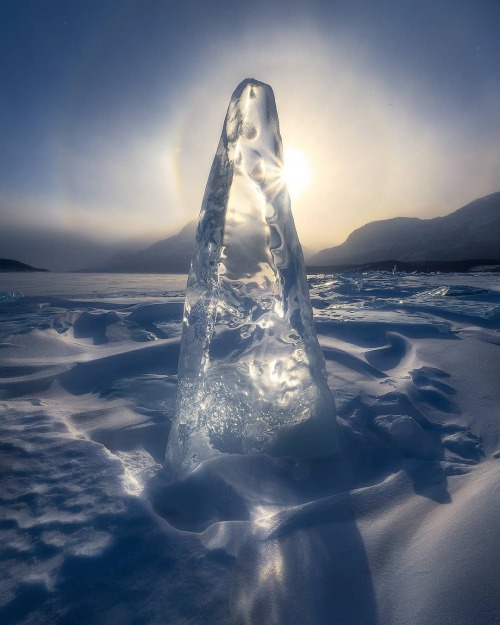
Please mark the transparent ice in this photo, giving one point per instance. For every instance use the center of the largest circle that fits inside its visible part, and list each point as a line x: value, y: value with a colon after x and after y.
x: 252, y: 376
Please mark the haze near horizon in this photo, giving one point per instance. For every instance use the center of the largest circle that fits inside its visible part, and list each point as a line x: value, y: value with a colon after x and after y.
x: 111, y: 114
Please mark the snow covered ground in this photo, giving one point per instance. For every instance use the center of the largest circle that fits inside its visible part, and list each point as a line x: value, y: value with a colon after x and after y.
x: 403, y: 528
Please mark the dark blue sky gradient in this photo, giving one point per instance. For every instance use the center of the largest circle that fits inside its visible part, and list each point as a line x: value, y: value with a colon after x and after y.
x: 83, y: 81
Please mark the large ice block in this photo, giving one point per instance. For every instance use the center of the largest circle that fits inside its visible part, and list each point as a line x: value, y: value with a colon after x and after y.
x: 252, y: 376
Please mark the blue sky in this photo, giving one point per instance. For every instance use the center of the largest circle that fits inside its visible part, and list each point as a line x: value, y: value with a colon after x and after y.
x: 110, y: 112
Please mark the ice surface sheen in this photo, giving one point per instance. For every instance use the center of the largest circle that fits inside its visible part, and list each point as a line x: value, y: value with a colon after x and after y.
x: 252, y: 375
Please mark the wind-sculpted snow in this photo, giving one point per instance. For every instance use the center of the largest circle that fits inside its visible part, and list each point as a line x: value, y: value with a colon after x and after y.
x: 399, y: 528
x: 344, y: 297
x: 251, y: 373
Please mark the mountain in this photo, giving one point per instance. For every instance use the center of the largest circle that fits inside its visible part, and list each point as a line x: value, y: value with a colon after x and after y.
x: 172, y: 255
x: 307, y: 252
x: 58, y: 249
x: 7, y: 264
x: 470, y: 232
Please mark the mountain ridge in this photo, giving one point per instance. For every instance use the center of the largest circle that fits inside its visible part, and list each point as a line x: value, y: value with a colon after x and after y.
x: 468, y: 233
x: 472, y: 231
x: 9, y: 264
x: 170, y: 255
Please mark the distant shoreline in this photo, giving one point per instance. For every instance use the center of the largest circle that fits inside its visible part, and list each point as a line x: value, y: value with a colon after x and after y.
x: 431, y: 266
x: 421, y: 266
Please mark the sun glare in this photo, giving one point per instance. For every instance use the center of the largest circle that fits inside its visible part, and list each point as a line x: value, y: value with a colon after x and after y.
x: 296, y: 172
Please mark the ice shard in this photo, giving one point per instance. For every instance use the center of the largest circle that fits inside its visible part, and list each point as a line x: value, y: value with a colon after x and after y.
x: 252, y: 376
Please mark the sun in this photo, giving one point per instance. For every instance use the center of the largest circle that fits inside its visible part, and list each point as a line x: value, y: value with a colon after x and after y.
x: 296, y: 171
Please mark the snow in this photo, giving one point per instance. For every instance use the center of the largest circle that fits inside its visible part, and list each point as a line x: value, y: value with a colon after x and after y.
x: 401, y: 528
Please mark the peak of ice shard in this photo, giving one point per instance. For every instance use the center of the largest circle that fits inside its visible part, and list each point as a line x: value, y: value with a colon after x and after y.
x: 252, y: 376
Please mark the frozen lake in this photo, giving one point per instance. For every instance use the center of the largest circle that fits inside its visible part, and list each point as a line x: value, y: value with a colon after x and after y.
x: 87, y: 285
x: 401, y: 529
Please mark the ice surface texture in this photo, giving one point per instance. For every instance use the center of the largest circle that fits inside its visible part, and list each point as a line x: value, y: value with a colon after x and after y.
x: 252, y: 375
